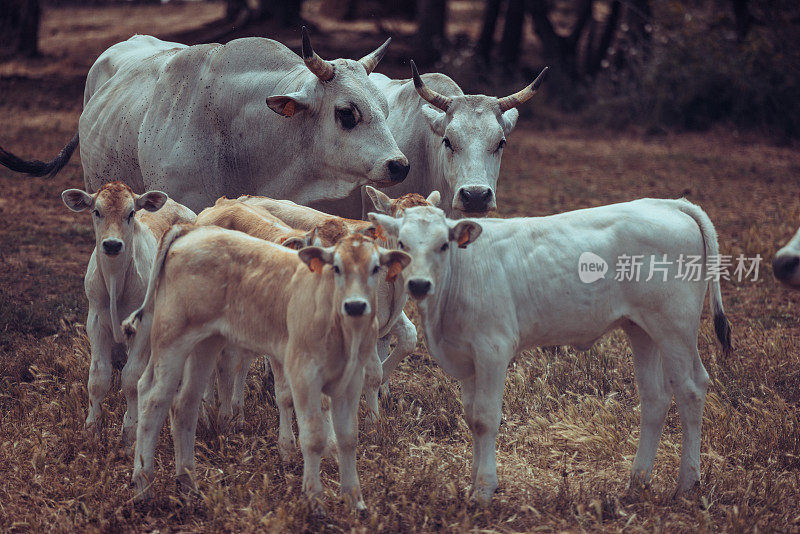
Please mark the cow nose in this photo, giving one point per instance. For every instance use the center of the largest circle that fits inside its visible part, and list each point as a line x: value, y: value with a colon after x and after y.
x: 398, y: 170
x: 784, y: 267
x: 355, y: 308
x: 419, y: 288
x: 112, y: 247
x: 475, y: 198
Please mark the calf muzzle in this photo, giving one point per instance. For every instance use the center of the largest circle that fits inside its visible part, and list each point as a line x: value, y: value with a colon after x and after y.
x: 112, y: 247
x: 785, y: 266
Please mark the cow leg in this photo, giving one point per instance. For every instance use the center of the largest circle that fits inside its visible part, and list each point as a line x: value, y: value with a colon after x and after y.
x: 406, y: 334
x: 689, y: 381
x: 156, y: 389
x: 138, y: 355
x: 654, y: 397
x: 344, y: 410
x: 101, y: 342
x: 198, y: 369
x: 283, y: 398
x: 486, y: 413
x: 372, y: 382
x: 306, y: 385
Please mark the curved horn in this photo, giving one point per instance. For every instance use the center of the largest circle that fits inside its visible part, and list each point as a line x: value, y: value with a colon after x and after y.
x: 321, y: 68
x: 440, y: 101
x: 371, y: 60
x: 523, y: 96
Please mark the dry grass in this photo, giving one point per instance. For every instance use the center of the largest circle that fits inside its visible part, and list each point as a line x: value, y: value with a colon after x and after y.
x: 570, y: 420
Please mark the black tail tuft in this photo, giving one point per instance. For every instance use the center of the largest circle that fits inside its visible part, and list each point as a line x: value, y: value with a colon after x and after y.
x: 39, y: 168
x: 723, y: 329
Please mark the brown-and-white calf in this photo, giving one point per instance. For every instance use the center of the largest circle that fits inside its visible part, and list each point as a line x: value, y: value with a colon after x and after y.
x: 313, y: 311
x: 127, y: 228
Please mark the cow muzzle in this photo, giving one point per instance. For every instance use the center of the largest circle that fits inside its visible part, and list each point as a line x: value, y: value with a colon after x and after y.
x: 355, y: 307
x: 113, y: 246
x: 785, y: 267
x: 475, y: 199
x: 419, y: 288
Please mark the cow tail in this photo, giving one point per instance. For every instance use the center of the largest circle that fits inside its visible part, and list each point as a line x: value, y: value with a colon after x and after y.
x: 721, y: 325
x: 35, y: 167
x: 131, y: 324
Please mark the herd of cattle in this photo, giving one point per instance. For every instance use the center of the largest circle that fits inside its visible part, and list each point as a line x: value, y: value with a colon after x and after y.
x: 187, y: 301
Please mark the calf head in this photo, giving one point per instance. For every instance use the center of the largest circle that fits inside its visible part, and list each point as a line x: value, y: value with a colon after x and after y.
x: 786, y: 264
x: 340, y: 115
x: 429, y: 238
x: 355, y: 263
x: 395, y: 207
x: 113, y: 208
x: 471, y: 131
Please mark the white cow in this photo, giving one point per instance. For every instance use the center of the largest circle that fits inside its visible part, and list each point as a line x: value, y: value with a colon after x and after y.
x: 127, y: 228
x: 246, y: 117
x: 487, y: 290
x: 786, y: 262
x: 319, y: 326
x: 453, y: 141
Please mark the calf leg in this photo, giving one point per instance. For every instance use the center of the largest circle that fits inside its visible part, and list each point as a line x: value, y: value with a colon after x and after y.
x: 468, y: 402
x: 138, y: 355
x: 372, y: 382
x: 283, y: 398
x: 232, y: 364
x: 655, y: 398
x: 344, y: 410
x: 486, y: 414
x: 156, y: 389
x: 101, y: 341
x: 197, y: 371
x: 406, y: 334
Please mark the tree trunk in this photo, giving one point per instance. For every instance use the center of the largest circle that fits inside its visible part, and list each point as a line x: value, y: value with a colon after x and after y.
x: 486, y: 40
x: 19, y: 28
x: 431, y: 18
x: 512, y: 32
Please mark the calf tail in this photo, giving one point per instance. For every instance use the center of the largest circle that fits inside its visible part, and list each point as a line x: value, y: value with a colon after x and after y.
x: 721, y: 325
x: 39, y: 168
x: 131, y: 324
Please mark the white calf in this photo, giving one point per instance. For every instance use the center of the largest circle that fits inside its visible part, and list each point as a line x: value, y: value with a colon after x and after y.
x: 518, y: 286
x: 126, y: 239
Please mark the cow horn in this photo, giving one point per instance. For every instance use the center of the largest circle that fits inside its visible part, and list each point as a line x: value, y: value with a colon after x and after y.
x: 440, y: 101
x: 523, y: 96
x: 321, y: 68
x: 371, y: 60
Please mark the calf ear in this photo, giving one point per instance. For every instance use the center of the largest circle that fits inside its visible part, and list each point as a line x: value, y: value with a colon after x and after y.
x: 76, y: 199
x: 389, y: 224
x: 289, y: 104
x: 316, y: 257
x: 434, y: 198
x: 373, y: 232
x: 397, y: 260
x: 435, y: 118
x: 295, y: 243
x: 381, y: 201
x: 465, y: 232
x: 151, y: 201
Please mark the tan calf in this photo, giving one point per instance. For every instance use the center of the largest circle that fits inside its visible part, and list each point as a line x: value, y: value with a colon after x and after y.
x: 127, y: 228
x: 312, y: 310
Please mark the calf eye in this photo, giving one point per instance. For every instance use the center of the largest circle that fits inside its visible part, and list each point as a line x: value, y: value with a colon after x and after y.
x: 444, y: 247
x: 97, y: 214
x: 336, y: 269
x: 501, y: 145
x: 346, y: 118
x: 376, y: 269
x: 401, y: 245
x: 130, y: 216
x: 449, y: 145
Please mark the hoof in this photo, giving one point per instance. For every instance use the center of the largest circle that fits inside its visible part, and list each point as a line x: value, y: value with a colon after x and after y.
x: 690, y: 491
x: 185, y: 485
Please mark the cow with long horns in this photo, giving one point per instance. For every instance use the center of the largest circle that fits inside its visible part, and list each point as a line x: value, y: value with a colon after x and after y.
x: 247, y: 117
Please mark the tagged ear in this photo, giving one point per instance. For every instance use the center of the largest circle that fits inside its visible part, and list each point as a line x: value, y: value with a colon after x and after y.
x: 380, y: 200
x: 76, y: 199
x: 436, y: 119
x: 316, y: 257
x: 508, y: 120
x: 389, y: 224
x: 465, y: 232
x: 288, y: 105
x: 397, y: 260
x: 151, y: 201
x: 434, y: 198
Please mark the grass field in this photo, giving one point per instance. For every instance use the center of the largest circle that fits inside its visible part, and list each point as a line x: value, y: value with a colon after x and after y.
x: 570, y: 419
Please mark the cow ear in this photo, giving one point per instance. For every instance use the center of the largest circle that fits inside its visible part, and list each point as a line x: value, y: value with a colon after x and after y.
x: 396, y: 260
x: 434, y: 198
x: 289, y: 104
x: 76, y: 199
x: 436, y: 119
x: 465, y: 232
x: 508, y: 120
x: 316, y: 257
x: 381, y: 201
x: 151, y: 201
x: 389, y: 224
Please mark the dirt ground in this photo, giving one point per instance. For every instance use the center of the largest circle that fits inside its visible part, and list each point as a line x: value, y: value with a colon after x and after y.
x: 570, y: 419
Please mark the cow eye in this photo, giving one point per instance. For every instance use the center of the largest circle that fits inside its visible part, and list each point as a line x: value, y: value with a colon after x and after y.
x: 401, y: 245
x: 448, y: 144
x: 376, y: 269
x: 501, y: 145
x: 97, y: 214
x: 336, y: 269
x: 346, y: 118
x: 444, y: 247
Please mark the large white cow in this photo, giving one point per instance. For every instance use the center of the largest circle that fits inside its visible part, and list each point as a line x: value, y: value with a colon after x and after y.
x: 453, y: 141
x: 786, y: 264
x: 246, y: 117
x: 488, y: 290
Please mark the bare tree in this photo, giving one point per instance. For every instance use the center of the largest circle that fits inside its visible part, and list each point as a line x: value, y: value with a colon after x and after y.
x: 431, y: 18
